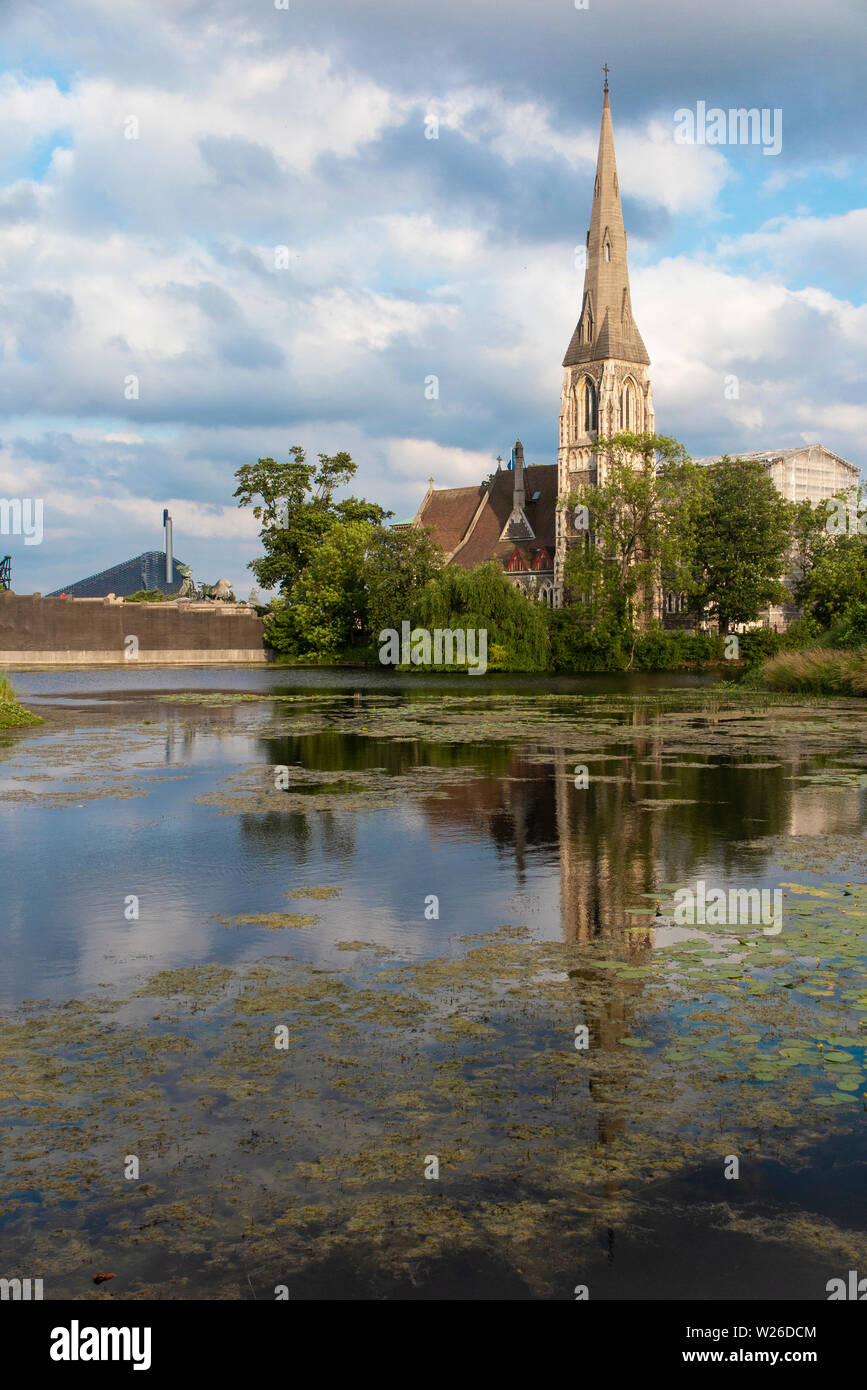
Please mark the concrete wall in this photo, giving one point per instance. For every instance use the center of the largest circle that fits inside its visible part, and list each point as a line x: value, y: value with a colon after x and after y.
x: 36, y: 631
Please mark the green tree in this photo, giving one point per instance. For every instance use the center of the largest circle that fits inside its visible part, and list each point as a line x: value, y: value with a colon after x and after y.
x: 398, y: 563
x: 483, y: 599
x: 837, y: 581
x: 326, y: 611
x: 640, y: 522
x: 294, y: 501
x: 743, y: 532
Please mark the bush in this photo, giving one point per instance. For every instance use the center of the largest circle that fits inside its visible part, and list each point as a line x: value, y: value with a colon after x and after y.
x: 147, y: 596
x: 758, y: 644
x: 574, y: 647
x: 12, y: 714
x: 850, y: 630
x: 609, y: 648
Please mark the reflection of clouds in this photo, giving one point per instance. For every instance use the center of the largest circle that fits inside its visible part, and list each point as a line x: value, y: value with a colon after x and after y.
x: 824, y: 811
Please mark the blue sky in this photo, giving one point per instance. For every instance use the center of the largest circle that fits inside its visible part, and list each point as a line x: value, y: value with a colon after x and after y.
x: 305, y: 128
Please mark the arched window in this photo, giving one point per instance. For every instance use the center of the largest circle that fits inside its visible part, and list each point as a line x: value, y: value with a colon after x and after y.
x: 670, y: 602
x: 627, y: 419
x: 608, y: 250
x: 590, y: 406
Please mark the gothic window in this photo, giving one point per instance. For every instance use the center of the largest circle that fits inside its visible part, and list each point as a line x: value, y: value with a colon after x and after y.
x: 627, y: 413
x: 590, y: 406
x: 608, y: 250
x: 670, y: 602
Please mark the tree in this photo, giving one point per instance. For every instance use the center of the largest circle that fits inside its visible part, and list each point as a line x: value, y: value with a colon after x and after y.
x: 837, y: 581
x: 326, y: 611
x: 640, y: 522
x: 294, y: 502
x: 360, y: 579
x: 483, y: 599
x: 743, y: 532
x: 398, y: 563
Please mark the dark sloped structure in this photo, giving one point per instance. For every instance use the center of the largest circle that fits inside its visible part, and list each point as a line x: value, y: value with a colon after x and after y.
x: 145, y: 571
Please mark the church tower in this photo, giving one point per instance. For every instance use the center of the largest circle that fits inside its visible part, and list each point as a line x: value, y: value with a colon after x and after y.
x: 606, y: 384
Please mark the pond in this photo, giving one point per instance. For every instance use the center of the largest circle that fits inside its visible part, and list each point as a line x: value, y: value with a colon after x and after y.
x: 363, y: 985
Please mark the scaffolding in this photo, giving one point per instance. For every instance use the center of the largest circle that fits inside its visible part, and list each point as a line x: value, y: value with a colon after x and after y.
x: 6, y: 572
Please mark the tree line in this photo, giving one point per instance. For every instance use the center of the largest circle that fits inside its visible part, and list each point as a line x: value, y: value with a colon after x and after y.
x: 720, y: 537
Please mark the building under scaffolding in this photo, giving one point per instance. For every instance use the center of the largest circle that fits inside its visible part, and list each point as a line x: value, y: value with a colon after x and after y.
x: 809, y: 474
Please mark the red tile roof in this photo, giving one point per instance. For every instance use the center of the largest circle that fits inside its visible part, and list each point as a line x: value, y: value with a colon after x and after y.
x: 469, y: 521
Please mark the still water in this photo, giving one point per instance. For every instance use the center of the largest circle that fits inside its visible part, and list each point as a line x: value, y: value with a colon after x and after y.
x: 432, y: 887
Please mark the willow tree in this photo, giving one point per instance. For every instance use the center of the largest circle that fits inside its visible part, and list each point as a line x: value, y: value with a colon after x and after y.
x: 483, y: 598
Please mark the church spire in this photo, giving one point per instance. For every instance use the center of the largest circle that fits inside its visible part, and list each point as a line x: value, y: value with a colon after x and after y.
x: 606, y: 328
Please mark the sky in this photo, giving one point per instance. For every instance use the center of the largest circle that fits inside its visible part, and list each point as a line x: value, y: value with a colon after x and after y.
x: 238, y: 210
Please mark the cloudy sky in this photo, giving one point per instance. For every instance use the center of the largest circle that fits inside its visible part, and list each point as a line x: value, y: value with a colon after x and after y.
x: 255, y: 128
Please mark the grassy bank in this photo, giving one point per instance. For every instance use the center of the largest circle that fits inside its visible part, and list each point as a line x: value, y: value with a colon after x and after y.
x: 818, y: 671
x: 12, y: 714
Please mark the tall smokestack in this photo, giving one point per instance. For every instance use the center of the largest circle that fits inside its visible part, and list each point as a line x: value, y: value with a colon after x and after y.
x: 167, y: 523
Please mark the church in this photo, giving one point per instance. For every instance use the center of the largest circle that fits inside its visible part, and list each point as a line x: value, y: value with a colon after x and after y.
x: 516, y: 516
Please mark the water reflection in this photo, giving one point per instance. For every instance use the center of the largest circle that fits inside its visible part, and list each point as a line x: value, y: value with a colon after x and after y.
x: 499, y: 828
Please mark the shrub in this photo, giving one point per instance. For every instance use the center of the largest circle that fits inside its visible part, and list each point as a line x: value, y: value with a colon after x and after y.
x: 12, y: 714
x: 758, y: 644
x: 574, y: 647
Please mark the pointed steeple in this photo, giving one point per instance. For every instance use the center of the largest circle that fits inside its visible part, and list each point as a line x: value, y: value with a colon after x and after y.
x: 606, y: 328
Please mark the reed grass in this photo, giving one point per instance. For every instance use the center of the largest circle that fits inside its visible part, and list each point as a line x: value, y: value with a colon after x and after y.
x: 817, y: 670
x: 12, y: 712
